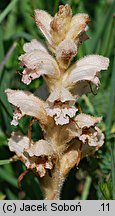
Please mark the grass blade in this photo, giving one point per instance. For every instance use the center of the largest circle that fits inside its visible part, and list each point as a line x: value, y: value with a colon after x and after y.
x: 109, y: 124
x: 7, y: 10
x: 2, y: 162
x: 8, y: 177
x: 1, y: 45
x: 7, y: 55
x: 101, y: 29
x: 86, y: 188
x: 113, y: 167
x: 112, y: 99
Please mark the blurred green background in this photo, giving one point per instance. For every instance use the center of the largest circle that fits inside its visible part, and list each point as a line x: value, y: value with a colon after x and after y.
x: 95, y: 178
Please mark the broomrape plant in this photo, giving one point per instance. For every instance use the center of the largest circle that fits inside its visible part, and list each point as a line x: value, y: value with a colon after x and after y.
x: 69, y: 135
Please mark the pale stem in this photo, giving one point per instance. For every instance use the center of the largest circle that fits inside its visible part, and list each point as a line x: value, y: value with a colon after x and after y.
x: 51, y: 185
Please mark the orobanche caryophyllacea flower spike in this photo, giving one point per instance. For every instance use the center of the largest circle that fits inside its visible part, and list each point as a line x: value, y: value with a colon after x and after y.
x: 68, y: 134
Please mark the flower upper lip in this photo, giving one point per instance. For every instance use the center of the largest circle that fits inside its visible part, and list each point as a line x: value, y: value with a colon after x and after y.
x: 84, y: 71
x: 28, y: 104
x: 37, y: 62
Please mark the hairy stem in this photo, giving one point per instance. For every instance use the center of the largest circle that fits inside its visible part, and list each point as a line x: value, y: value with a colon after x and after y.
x: 51, y: 185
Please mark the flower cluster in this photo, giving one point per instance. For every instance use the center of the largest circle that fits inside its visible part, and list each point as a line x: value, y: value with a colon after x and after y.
x: 68, y: 134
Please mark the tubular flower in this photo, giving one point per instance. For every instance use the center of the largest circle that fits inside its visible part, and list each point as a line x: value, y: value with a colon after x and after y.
x: 26, y: 103
x: 85, y: 138
x: 68, y: 136
x: 37, y: 61
x: 83, y: 72
x: 38, y: 157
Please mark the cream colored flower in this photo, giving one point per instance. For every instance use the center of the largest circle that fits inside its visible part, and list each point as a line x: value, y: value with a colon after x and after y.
x: 64, y: 33
x: 92, y: 137
x: 84, y: 141
x: 62, y: 26
x: 84, y: 71
x: 65, y: 52
x: 26, y: 103
x: 61, y: 106
x: 60, y: 103
x: 39, y: 156
x: 37, y: 61
x: 83, y: 120
x: 91, y: 134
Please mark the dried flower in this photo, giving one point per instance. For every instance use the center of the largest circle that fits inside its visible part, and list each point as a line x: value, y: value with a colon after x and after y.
x: 68, y: 135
